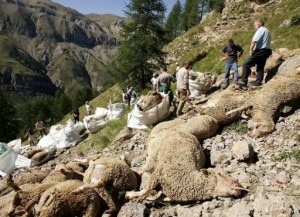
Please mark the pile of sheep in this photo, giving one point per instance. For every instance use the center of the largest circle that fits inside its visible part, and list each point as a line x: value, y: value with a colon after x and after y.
x: 74, y: 189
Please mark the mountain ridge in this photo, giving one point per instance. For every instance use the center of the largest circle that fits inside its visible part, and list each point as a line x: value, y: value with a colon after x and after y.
x: 53, y: 39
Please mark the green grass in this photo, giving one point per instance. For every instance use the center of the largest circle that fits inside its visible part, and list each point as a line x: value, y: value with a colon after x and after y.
x: 105, y: 136
x: 239, y: 127
x: 284, y: 155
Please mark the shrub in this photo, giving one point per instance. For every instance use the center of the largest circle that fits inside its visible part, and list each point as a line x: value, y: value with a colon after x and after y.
x: 238, y: 126
x: 283, y: 155
x: 295, y: 21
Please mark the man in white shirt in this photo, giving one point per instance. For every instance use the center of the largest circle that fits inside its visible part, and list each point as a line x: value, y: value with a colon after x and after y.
x: 259, y: 52
x: 183, y: 86
x: 88, y: 108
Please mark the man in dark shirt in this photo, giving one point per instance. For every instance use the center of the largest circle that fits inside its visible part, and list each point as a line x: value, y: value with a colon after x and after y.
x: 164, y: 83
x: 232, y: 53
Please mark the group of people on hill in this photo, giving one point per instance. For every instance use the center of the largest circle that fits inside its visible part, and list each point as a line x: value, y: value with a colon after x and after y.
x: 162, y: 83
x: 41, y: 128
x: 258, y: 54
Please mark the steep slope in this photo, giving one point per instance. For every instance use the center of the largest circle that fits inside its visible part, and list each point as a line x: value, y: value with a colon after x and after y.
x: 57, y: 46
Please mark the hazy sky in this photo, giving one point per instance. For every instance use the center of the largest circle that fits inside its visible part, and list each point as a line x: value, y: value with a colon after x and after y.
x: 105, y: 6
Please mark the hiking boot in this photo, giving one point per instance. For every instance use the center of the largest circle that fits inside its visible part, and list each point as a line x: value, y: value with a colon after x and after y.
x: 224, y: 86
x: 242, y: 83
x: 255, y: 83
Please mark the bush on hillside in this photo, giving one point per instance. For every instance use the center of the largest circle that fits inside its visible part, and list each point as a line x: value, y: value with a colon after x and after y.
x: 295, y: 21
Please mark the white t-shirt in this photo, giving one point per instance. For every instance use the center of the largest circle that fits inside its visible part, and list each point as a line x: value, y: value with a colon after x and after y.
x: 88, y: 108
x: 182, y: 78
x: 154, y: 80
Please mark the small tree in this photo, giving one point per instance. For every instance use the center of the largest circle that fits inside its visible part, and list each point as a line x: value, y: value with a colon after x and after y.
x: 217, y: 5
x: 190, y: 14
x: 8, y: 119
x: 143, y: 37
x: 172, y: 25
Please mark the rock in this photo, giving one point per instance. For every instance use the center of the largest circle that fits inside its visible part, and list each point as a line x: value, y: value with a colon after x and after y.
x: 273, y: 203
x: 242, y: 150
x: 133, y: 210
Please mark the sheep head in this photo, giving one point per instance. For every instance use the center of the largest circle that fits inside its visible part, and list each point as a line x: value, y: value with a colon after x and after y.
x: 71, y: 174
x: 226, y: 186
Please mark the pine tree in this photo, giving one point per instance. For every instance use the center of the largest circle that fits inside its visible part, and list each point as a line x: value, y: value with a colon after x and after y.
x: 8, y: 119
x: 142, y: 40
x: 172, y: 25
x: 190, y: 14
x: 217, y: 5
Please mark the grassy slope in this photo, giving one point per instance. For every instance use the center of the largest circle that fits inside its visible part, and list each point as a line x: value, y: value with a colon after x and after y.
x: 105, y: 136
x: 16, y: 59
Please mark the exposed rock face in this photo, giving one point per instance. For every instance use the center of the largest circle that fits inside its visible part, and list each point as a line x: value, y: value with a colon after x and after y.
x: 47, y: 45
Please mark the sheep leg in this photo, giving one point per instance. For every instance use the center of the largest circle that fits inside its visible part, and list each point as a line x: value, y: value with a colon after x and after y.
x: 14, y: 202
x: 154, y: 195
x: 238, y: 111
x: 149, y: 190
x: 90, y: 211
x: 133, y: 194
x: 103, y: 193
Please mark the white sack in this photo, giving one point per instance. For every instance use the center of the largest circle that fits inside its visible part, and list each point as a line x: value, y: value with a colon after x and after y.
x: 93, y: 123
x: 141, y: 120
x: 60, y: 137
x: 10, y: 160
x: 115, y: 111
x: 78, y: 127
x: 196, y: 88
x: 15, y: 145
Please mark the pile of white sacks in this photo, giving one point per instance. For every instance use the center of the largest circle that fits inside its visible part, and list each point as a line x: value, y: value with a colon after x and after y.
x: 60, y: 136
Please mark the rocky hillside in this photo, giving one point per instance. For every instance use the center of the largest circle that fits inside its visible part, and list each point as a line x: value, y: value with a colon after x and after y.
x: 45, y: 46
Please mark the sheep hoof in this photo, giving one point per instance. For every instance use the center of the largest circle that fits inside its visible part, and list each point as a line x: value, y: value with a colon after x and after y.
x: 154, y: 197
x: 167, y: 199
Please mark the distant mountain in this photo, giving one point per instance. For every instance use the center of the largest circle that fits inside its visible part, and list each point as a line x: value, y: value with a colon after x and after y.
x: 45, y: 46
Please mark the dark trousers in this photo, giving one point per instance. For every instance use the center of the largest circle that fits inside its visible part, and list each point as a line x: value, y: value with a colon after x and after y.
x: 258, y: 58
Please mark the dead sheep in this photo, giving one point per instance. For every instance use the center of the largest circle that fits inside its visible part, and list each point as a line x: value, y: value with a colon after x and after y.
x: 62, y: 173
x: 24, y: 199
x: 178, y: 172
x: 31, y: 176
x: 201, y: 126
x: 149, y: 101
x: 111, y: 178
x: 28, y: 195
x: 61, y: 200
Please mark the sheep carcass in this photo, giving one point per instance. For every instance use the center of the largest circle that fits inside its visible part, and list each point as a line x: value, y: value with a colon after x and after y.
x: 61, y: 200
x: 178, y: 173
x: 110, y: 177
